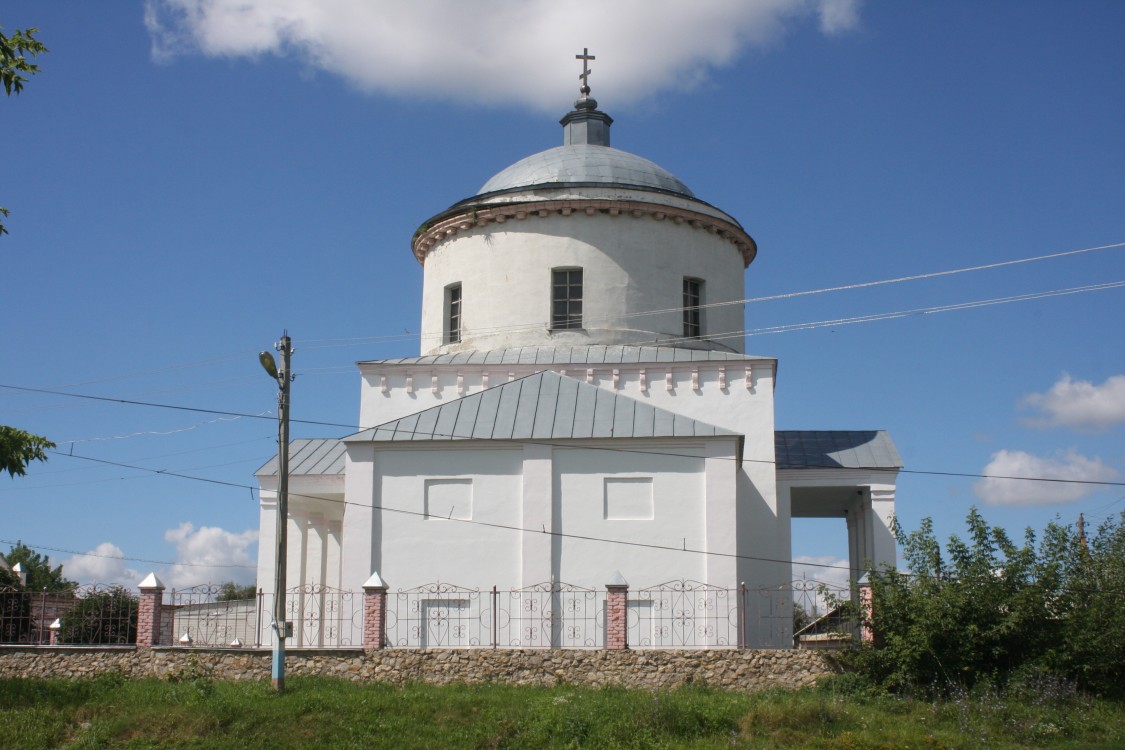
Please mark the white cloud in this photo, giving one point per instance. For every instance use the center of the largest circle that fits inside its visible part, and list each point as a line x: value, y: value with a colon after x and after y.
x: 838, y: 16
x: 1069, y: 465
x: 207, y: 554
x: 1079, y: 404
x: 102, y: 564
x: 502, y: 51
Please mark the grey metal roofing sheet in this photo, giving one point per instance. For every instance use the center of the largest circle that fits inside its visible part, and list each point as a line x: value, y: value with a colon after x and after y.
x: 578, y: 355
x: 835, y: 449
x: 585, y: 163
x: 543, y: 406
x: 321, y: 456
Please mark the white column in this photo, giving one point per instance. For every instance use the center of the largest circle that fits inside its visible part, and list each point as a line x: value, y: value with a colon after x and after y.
x: 537, y: 504
x: 332, y: 558
x: 883, y: 551
x: 267, y: 541
x: 267, y: 559
x: 854, y: 560
x: 315, y: 548
x: 295, y: 571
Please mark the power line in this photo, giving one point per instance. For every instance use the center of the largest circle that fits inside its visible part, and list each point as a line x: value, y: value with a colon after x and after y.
x: 582, y: 537
x: 897, y: 280
x: 670, y: 548
x: 123, y: 557
x: 567, y: 445
x: 131, y: 402
x: 748, y: 300
x: 877, y: 317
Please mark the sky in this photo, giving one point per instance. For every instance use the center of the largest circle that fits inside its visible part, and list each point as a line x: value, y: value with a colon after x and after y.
x: 189, y: 178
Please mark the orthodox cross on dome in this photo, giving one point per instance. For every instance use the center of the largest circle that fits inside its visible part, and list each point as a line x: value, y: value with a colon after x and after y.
x: 585, y: 57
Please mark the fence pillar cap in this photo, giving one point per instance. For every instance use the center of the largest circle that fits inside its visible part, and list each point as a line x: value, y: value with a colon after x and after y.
x: 374, y: 582
x: 56, y: 625
x: 151, y: 583
x: 864, y: 580
x: 617, y: 581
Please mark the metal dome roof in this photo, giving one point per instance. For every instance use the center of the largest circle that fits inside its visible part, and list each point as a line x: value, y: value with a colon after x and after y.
x: 585, y: 163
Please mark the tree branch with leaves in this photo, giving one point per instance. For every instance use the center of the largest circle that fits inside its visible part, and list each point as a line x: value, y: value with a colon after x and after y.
x: 15, y: 67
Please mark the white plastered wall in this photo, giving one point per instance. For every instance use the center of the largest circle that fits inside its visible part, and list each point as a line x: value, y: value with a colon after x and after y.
x: 630, y: 265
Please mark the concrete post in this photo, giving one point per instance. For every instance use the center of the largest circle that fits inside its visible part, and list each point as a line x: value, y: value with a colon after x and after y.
x: 148, y: 611
x: 374, y: 613
x: 616, y: 613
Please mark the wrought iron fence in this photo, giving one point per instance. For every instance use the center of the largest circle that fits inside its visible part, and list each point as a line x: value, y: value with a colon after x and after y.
x: 801, y: 613
x: 322, y: 617
x: 197, y: 616
x: 546, y: 615
x: 685, y: 614
x: 439, y: 615
x: 549, y: 615
x: 95, y: 614
x: 674, y: 614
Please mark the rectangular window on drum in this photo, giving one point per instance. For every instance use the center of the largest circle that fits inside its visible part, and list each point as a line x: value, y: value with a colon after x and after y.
x: 453, y: 314
x: 693, y: 298
x: 566, y: 298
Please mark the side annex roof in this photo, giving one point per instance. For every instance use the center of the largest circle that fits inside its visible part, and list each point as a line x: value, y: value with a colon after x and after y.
x: 541, y: 406
x: 835, y: 449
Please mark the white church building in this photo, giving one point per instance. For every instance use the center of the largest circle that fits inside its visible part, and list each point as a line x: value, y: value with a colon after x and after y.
x: 582, y: 413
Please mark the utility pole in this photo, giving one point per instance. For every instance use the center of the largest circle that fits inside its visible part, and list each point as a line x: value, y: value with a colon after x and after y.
x: 283, y: 377
x: 1082, y: 535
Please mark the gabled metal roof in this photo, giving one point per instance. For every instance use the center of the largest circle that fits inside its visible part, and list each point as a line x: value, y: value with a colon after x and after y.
x: 835, y: 449
x: 322, y: 456
x: 577, y: 355
x: 542, y: 406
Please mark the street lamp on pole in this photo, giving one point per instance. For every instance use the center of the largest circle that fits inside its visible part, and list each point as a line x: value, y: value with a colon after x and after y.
x: 284, y: 377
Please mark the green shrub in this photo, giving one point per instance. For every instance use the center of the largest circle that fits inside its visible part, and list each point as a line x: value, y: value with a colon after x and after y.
x: 104, y: 617
x: 989, y: 609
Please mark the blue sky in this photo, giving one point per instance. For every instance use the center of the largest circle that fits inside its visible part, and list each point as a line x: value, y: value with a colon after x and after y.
x: 185, y: 182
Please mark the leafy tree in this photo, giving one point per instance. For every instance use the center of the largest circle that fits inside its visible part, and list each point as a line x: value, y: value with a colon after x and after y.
x: 15, y: 67
x: 19, y: 448
x: 233, y: 592
x: 40, y: 575
x: 106, y: 617
x: 1091, y: 605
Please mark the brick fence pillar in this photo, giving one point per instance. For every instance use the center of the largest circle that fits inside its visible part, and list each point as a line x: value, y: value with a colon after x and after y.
x: 374, y: 613
x: 616, y: 613
x: 148, y: 611
x: 866, y: 610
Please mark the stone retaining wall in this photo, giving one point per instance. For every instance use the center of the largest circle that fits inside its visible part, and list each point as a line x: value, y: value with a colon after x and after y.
x: 747, y: 670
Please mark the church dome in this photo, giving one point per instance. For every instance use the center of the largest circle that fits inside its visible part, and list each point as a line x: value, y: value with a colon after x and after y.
x: 585, y: 164
x: 582, y: 245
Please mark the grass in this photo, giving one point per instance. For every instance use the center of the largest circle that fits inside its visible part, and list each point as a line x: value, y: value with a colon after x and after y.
x: 196, y: 712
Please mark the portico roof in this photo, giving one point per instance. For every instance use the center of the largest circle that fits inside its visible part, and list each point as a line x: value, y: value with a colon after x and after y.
x: 835, y: 449
x: 316, y: 457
